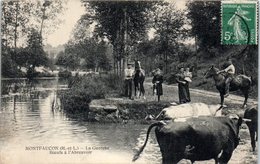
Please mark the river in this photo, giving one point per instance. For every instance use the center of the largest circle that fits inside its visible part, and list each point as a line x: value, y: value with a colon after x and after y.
x: 31, y: 132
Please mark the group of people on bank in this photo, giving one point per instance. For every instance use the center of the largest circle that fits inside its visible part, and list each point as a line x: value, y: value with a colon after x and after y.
x: 183, y: 78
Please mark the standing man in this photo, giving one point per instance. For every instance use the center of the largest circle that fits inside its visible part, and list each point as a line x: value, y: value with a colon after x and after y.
x: 129, y: 72
x: 230, y: 70
x: 157, y: 83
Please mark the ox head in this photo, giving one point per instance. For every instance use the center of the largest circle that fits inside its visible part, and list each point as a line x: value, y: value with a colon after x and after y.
x: 237, y: 122
x: 237, y: 118
x: 211, y: 72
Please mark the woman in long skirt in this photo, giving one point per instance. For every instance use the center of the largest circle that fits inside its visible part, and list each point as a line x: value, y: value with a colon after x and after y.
x: 183, y: 94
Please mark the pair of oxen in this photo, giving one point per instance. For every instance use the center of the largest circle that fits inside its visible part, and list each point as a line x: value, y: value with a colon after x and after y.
x: 197, y: 132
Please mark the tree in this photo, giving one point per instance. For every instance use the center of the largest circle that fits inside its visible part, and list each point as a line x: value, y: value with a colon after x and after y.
x: 45, y: 14
x: 123, y: 23
x: 34, y: 49
x: 205, y: 22
x: 18, y: 18
x: 168, y: 23
x: 15, y: 17
x: 67, y: 60
x: 92, y: 50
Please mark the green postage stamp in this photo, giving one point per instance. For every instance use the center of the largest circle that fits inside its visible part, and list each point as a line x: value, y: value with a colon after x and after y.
x: 239, y: 22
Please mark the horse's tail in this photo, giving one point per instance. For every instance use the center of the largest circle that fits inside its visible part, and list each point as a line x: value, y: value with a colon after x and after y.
x: 253, y: 81
x: 136, y: 156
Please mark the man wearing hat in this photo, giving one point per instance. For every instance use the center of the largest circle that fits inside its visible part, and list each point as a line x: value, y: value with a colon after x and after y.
x: 157, y: 83
x: 129, y: 73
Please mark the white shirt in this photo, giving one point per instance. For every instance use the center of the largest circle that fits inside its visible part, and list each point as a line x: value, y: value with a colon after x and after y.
x: 129, y: 73
x: 230, y: 69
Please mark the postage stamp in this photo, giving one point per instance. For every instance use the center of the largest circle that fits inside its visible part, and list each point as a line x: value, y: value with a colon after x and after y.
x: 239, y: 22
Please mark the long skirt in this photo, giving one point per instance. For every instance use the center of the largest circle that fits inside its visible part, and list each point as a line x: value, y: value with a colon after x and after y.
x: 183, y: 94
x: 187, y: 91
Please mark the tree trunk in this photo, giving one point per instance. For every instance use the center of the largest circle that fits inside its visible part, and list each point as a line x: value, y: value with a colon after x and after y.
x: 43, y: 17
x: 114, y: 56
x: 16, y: 25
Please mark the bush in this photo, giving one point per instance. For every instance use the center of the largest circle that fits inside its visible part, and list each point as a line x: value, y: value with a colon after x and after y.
x: 113, y: 83
x: 170, y: 78
x: 65, y: 74
x: 78, y: 97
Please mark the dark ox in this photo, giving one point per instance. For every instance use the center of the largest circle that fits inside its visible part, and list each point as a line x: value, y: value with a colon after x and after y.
x: 251, y: 114
x: 196, y: 139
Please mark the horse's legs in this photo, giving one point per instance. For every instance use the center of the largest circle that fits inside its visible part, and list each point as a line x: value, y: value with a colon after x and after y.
x: 246, y: 97
x: 221, y: 99
x: 142, y: 88
x: 135, y: 87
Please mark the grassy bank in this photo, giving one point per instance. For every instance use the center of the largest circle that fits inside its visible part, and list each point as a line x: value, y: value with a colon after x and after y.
x: 99, y: 99
x: 83, y: 90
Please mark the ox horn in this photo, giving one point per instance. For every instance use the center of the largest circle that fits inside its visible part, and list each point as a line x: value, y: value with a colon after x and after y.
x: 246, y: 120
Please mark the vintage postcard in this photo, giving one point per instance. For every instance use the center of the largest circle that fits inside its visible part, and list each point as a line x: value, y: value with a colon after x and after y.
x: 129, y: 81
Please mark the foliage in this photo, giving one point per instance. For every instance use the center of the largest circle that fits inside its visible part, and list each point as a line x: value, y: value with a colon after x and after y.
x: 205, y: 22
x: 24, y: 19
x: 81, y: 93
x: 19, y: 16
x: 169, y: 29
x: 15, y: 17
x: 123, y: 23
x: 93, y: 52
x: 37, y: 56
x: 113, y: 17
x: 45, y: 13
x: 114, y: 84
x: 67, y: 60
x: 8, y: 66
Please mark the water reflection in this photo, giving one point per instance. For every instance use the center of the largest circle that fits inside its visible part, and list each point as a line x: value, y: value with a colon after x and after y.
x: 27, y: 119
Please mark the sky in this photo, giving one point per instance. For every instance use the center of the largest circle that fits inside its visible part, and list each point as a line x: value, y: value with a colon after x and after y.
x: 72, y: 15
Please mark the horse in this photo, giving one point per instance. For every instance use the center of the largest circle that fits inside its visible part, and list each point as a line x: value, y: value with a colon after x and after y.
x: 139, y: 77
x: 240, y: 82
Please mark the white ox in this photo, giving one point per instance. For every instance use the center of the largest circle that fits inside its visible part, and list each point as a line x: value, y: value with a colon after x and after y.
x: 190, y: 110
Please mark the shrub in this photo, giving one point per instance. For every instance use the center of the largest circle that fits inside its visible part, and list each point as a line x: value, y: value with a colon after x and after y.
x: 78, y: 97
x: 113, y: 83
x: 170, y: 78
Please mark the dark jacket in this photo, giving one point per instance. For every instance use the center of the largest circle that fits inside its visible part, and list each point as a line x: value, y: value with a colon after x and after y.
x: 158, y: 80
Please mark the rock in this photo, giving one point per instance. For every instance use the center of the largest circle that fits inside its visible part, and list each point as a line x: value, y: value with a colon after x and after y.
x: 115, y: 99
x: 96, y: 107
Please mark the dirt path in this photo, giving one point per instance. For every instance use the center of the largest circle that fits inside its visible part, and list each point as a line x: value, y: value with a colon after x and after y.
x: 209, y: 94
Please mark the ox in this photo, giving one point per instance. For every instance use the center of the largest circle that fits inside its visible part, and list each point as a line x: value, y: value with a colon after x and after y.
x: 251, y: 116
x: 196, y: 139
x: 190, y: 110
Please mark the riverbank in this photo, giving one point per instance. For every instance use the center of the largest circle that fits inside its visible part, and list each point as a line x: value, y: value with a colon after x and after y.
x: 124, y: 110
